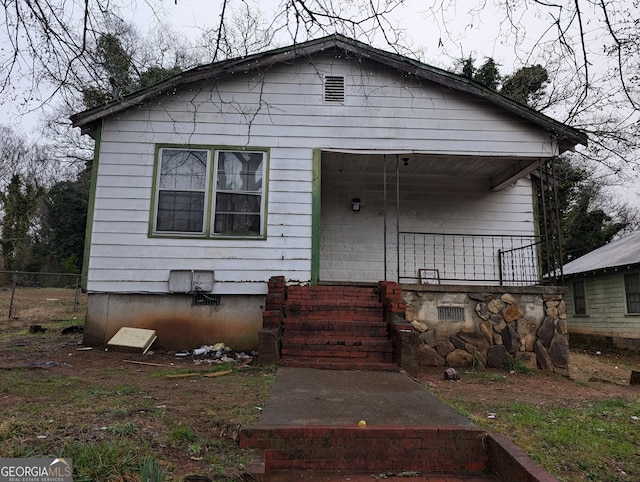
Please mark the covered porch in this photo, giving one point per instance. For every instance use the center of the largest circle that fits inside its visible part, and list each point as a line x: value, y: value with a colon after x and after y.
x: 413, y: 217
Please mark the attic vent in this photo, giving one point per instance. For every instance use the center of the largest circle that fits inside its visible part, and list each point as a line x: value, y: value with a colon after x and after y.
x: 450, y: 313
x: 334, y: 89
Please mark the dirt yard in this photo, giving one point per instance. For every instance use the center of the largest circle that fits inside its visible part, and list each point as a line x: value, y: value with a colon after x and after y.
x: 159, y: 393
x: 594, y: 375
x: 57, y: 397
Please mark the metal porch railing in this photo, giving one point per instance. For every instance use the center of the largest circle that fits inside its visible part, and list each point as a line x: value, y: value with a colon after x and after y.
x: 433, y: 258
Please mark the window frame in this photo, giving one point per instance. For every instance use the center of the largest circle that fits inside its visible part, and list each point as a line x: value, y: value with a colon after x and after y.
x: 210, y: 191
x: 583, y: 283
x: 627, y: 301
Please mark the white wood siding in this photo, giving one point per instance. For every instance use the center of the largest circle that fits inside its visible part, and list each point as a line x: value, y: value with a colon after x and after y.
x: 351, y: 243
x: 606, y: 309
x: 285, y: 113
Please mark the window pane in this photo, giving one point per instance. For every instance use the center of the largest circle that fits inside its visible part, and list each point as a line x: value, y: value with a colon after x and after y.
x: 632, y: 291
x: 237, y: 223
x: 240, y: 171
x: 237, y: 203
x: 579, y: 298
x: 183, y: 169
x: 180, y: 211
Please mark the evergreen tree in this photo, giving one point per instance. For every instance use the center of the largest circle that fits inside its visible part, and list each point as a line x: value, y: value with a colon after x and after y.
x: 526, y: 84
x: 488, y: 74
x: 64, y: 222
x: 118, y: 73
x: 20, y: 204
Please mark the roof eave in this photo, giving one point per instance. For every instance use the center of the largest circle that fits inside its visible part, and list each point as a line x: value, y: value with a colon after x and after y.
x: 605, y: 270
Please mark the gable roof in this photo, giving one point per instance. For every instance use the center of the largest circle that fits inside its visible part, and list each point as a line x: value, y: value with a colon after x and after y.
x: 568, y: 137
x: 622, y: 252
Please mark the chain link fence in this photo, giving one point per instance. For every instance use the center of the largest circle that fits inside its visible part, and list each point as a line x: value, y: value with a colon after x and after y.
x: 41, y: 296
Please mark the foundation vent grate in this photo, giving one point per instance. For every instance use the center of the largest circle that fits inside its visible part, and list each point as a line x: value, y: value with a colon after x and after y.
x: 204, y: 299
x: 451, y: 313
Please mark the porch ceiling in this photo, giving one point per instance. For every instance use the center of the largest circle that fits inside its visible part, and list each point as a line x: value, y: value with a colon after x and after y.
x: 502, y: 171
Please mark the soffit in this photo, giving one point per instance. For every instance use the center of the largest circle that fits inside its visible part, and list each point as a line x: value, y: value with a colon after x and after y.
x: 498, y: 169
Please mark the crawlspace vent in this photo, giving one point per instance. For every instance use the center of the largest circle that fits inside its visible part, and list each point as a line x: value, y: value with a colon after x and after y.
x: 334, y: 89
x: 450, y: 313
x: 204, y: 299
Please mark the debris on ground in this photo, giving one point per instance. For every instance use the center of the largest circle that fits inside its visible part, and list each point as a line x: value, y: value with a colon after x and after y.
x: 198, y: 374
x: 218, y: 353
x: 218, y: 374
x: 183, y: 375
x: 137, y: 340
x: 147, y: 363
x: 405, y: 473
x: 451, y: 374
x: 72, y: 330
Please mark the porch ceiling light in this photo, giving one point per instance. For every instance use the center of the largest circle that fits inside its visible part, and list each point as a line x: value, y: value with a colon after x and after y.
x: 355, y: 204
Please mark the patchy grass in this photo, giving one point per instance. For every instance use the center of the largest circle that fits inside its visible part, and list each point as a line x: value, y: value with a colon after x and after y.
x: 52, y: 416
x: 595, y: 440
x: 42, y: 305
x: 115, y: 419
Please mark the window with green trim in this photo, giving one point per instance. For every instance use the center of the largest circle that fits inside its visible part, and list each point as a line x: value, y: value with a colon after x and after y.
x: 209, y: 192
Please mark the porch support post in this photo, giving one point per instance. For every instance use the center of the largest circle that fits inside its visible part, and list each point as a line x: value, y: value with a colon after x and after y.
x: 384, y: 234
x: 397, y: 219
x: 315, y: 216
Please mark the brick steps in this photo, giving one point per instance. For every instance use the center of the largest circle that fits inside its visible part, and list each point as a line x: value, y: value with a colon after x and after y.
x: 337, y: 353
x: 332, y: 340
x: 377, y: 350
x: 327, y: 312
x: 342, y: 476
x: 337, y: 332
x: 339, y: 453
x: 335, y: 363
x: 451, y: 450
x: 335, y: 327
x: 346, y: 293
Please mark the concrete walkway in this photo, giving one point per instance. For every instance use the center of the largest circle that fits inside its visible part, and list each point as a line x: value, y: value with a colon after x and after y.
x: 309, y: 425
x: 307, y: 396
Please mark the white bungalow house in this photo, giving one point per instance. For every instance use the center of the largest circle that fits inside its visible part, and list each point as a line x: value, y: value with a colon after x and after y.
x: 327, y: 161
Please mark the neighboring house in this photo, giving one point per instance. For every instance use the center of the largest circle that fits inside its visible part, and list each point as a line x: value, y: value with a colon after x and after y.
x: 604, y: 294
x: 326, y: 161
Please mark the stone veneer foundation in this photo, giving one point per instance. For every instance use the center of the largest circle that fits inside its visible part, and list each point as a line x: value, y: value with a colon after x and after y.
x: 496, y: 327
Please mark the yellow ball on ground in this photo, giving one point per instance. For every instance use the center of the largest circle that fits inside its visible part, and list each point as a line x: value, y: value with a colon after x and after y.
x: 362, y: 423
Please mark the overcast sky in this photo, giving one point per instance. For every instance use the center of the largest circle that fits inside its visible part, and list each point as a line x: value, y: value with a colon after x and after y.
x: 434, y: 36
x: 456, y: 33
